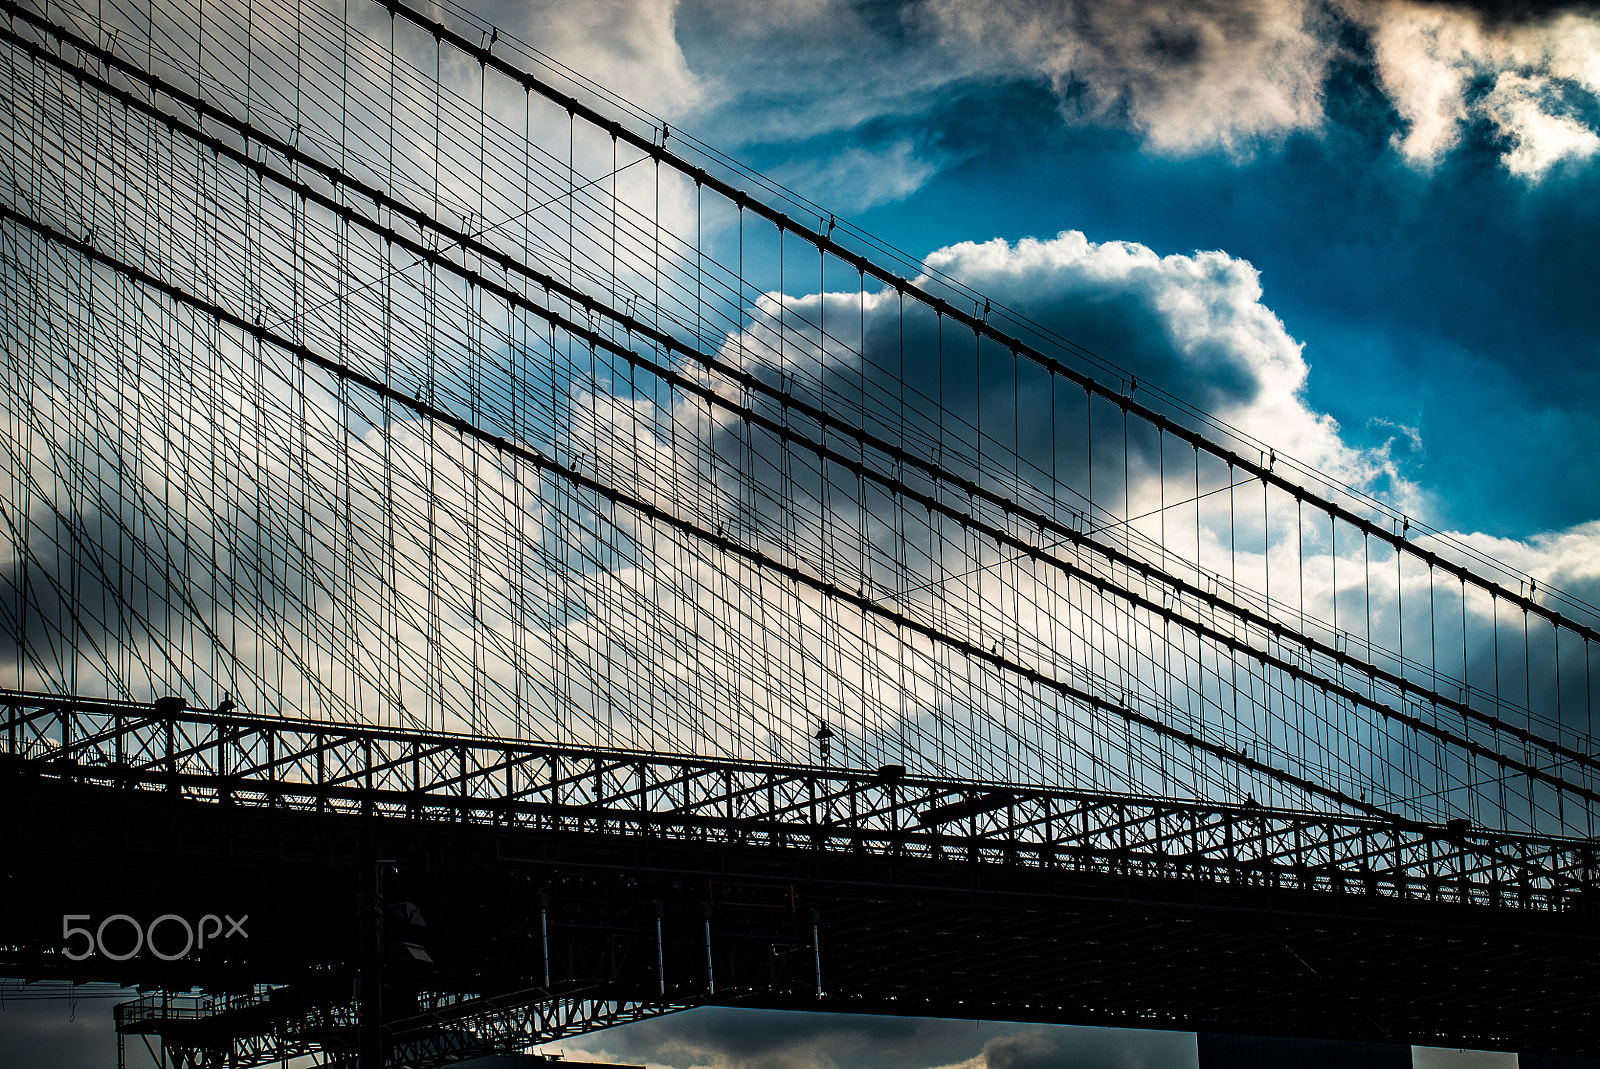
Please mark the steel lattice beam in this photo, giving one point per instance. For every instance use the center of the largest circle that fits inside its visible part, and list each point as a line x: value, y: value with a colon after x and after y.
x: 386, y: 771
x: 242, y: 1032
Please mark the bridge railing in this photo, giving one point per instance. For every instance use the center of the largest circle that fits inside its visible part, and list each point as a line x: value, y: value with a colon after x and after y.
x: 365, y: 771
x: 149, y: 1011
x: 247, y: 1030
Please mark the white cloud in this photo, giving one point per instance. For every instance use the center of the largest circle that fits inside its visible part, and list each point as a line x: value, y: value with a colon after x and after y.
x: 1538, y: 140
x: 628, y: 46
x: 1443, y: 68
x: 1193, y: 322
x: 1567, y: 560
x: 1227, y: 75
x: 1218, y: 75
x: 860, y: 178
x: 1423, y: 59
x: 1189, y: 76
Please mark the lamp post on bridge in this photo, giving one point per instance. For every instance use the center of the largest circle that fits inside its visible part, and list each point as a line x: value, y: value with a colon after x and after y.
x: 824, y: 737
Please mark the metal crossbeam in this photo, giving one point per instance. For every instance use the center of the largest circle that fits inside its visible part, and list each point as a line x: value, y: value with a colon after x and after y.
x: 601, y: 480
x: 1262, y: 632
x: 385, y: 771
x: 200, y: 1031
x: 501, y: 1025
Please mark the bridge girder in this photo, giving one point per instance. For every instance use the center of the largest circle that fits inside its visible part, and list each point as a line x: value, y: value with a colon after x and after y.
x: 1134, y: 912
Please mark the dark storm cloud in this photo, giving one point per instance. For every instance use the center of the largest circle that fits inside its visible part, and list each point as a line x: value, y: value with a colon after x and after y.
x: 1500, y: 12
x: 764, y: 1039
x: 59, y: 1033
x: 1088, y: 1048
x: 86, y: 585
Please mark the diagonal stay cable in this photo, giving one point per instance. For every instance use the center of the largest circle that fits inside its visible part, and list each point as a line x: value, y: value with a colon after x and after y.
x: 1107, y: 586
x: 79, y: 541
x: 824, y: 243
x: 592, y: 306
x: 658, y: 515
x: 473, y: 236
x: 1058, y: 543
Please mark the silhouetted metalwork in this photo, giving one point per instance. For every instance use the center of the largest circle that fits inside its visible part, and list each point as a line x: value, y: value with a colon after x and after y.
x: 742, y: 618
x: 366, y: 771
x: 242, y: 1031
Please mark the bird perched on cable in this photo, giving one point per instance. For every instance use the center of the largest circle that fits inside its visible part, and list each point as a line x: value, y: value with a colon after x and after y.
x: 227, y: 705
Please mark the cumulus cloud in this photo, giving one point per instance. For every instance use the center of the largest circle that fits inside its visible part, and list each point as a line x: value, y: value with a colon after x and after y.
x: 1228, y: 76
x: 1568, y: 559
x: 1198, y: 320
x: 1218, y: 74
x: 1195, y: 321
x: 1528, y: 79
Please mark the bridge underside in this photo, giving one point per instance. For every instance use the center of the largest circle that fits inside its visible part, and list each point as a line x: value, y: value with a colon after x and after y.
x: 750, y: 927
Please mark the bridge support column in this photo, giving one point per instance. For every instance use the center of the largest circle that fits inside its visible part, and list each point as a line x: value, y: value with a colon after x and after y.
x: 369, y: 921
x: 1272, y: 1052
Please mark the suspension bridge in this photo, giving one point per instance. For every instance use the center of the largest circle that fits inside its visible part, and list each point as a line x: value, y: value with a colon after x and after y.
x: 432, y: 479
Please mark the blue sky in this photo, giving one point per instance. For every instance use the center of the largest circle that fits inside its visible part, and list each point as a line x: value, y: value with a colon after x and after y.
x: 1412, y: 185
x: 1441, y: 282
x: 1409, y: 183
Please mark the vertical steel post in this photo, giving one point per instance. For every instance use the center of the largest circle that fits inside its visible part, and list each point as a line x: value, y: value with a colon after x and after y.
x: 711, y: 980
x: 816, y: 947
x: 544, y: 934
x: 661, y: 953
x: 369, y: 919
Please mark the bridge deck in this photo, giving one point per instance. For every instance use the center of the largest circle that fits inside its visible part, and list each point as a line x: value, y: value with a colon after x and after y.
x: 915, y: 896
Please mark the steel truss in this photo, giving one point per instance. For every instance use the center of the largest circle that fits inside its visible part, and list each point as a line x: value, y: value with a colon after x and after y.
x: 201, y: 1031
x: 338, y: 768
x: 486, y: 1026
x: 1201, y: 608
x: 1034, y: 901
